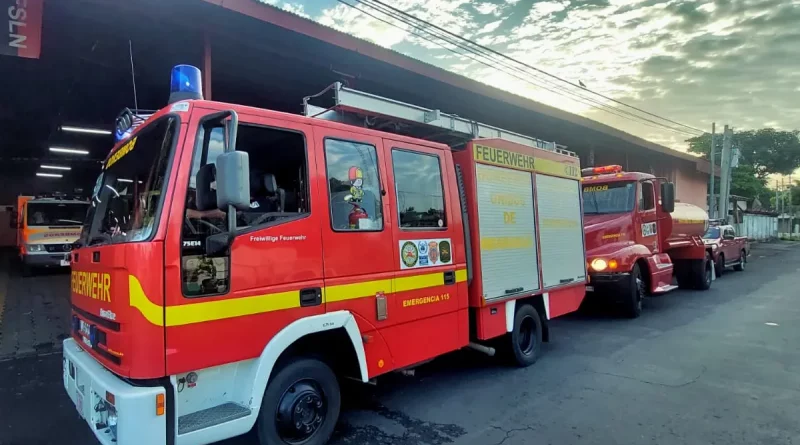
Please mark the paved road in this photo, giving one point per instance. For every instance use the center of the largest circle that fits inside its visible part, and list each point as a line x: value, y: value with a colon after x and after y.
x: 717, y: 367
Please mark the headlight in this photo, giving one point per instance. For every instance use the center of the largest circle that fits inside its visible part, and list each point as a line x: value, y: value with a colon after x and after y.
x: 599, y: 264
x: 35, y: 247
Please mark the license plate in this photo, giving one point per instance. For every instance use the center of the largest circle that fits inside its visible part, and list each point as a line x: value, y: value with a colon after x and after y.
x: 65, y: 262
x: 85, y: 329
x: 589, y: 288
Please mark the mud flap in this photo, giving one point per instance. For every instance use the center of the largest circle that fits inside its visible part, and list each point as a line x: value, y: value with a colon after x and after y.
x: 713, y: 269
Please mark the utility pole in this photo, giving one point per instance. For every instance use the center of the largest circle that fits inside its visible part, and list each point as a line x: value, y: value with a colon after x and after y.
x: 791, y: 210
x: 725, y: 171
x: 712, y: 201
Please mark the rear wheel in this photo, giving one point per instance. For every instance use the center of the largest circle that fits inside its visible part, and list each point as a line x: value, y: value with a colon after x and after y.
x: 702, y: 272
x: 742, y: 262
x: 301, y: 405
x: 719, y: 267
x: 634, y: 292
x: 525, y: 340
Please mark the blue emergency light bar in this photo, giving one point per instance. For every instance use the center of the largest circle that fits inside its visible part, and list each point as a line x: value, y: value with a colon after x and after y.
x: 185, y: 83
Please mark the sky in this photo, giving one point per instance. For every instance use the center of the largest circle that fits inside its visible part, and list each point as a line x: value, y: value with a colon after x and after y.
x: 694, y: 62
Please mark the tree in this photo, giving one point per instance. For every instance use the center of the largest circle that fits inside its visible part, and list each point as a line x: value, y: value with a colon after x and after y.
x: 763, y: 152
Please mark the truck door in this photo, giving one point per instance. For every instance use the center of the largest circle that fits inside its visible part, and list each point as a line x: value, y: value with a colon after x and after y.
x: 226, y: 308
x: 647, y: 218
x: 424, y: 234
x: 357, y: 247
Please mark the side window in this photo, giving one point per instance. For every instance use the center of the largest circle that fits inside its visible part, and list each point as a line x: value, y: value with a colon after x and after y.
x: 278, y: 193
x: 646, y: 196
x: 420, y: 193
x: 354, y: 185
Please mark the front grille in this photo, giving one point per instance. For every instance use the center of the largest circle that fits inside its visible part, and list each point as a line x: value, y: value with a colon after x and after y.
x: 58, y: 248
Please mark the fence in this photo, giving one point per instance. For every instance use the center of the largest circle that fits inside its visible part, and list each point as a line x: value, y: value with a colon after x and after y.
x: 758, y: 227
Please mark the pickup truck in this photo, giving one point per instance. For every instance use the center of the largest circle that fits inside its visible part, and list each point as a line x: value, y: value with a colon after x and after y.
x: 728, y: 250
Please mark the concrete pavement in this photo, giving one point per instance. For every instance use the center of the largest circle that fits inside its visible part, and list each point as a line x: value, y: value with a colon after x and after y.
x: 716, y: 367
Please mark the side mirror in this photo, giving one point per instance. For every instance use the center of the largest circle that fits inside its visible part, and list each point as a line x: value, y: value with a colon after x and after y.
x: 217, y: 244
x: 233, y: 180
x: 667, y: 197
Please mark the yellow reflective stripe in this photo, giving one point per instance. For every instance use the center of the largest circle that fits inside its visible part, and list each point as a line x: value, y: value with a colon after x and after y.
x: 184, y: 314
x: 151, y: 311
x: 230, y: 308
x: 415, y: 282
x: 342, y: 292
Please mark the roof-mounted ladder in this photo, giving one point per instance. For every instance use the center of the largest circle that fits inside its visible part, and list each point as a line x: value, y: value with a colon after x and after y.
x: 364, y: 109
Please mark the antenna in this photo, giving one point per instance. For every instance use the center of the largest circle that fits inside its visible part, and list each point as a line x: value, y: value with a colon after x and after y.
x: 133, y: 79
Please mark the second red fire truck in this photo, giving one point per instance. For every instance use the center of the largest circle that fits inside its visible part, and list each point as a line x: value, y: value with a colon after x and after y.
x: 237, y: 261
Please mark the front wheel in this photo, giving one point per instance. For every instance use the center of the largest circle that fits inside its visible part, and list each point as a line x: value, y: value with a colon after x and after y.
x: 719, y: 267
x: 526, y: 339
x: 742, y: 262
x: 633, y: 294
x: 301, y: 405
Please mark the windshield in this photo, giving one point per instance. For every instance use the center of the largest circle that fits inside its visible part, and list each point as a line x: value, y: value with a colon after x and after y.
x: 599, y: 199
x: 128, y: 193
x: 712, y: 233
x: 56, y: 214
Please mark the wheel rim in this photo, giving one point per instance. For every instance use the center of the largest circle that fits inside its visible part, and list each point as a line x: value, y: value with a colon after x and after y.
x: 708, y: 272
x: 301, y: 411
x: 527, y: 335
x: 743, y: 261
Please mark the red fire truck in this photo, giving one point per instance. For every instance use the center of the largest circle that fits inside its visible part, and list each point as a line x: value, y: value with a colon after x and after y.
x: 237, y: 261
x: 638, y: 237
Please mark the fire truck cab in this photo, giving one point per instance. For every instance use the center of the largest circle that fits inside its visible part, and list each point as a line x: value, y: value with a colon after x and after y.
x: 638, y: 238
x: 238, y: 261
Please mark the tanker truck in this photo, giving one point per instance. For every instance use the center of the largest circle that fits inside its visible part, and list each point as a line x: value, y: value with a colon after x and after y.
x: 638, y: 238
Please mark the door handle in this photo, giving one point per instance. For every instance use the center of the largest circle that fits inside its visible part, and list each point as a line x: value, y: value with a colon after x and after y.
x: 310, y: 297
x: 450, y: 277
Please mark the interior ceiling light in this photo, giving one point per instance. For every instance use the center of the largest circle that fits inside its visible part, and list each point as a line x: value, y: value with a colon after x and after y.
x: 73, y: 151
x: 49, y: 175
x: 84, y: 130
x: 56, y: 167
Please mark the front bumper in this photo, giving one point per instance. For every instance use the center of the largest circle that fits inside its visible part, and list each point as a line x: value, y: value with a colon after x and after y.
x: 46, y: 259
x: 87, y: 381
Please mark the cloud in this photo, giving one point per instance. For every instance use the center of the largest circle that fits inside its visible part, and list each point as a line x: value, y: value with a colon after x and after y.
x: 729, y: 61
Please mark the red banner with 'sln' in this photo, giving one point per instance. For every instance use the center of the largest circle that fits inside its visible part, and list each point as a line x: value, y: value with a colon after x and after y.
x: 22, y: 35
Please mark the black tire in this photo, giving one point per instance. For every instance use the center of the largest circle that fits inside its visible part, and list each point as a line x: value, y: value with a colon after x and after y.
x: 702, y: 273
x: 307, y: 389
x: 26, y: 270
x: 525, y: 341
x: 633, y: 292
x: 742, y: 262
x: 719, y: 267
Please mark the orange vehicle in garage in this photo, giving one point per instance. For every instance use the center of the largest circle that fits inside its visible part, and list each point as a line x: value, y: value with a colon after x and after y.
x: 638, y: 238
x: 46, y: 229
x: 236, y: 261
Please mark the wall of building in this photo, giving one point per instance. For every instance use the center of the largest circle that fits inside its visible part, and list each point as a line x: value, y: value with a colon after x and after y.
x: 690, y: 186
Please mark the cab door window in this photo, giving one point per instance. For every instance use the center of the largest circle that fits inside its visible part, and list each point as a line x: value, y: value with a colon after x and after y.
x: 419, y: 189
x: 646, y: 196
x: 353, y: 186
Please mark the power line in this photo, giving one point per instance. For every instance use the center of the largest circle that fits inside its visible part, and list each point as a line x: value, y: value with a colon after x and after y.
x: 485, y: 48
x: 488, y: 53
x: 529, y: 76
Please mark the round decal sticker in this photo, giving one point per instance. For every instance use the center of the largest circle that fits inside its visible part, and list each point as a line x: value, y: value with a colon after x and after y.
x: 409, y: 254
x: 444, y: 251
x: 433, y: 251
